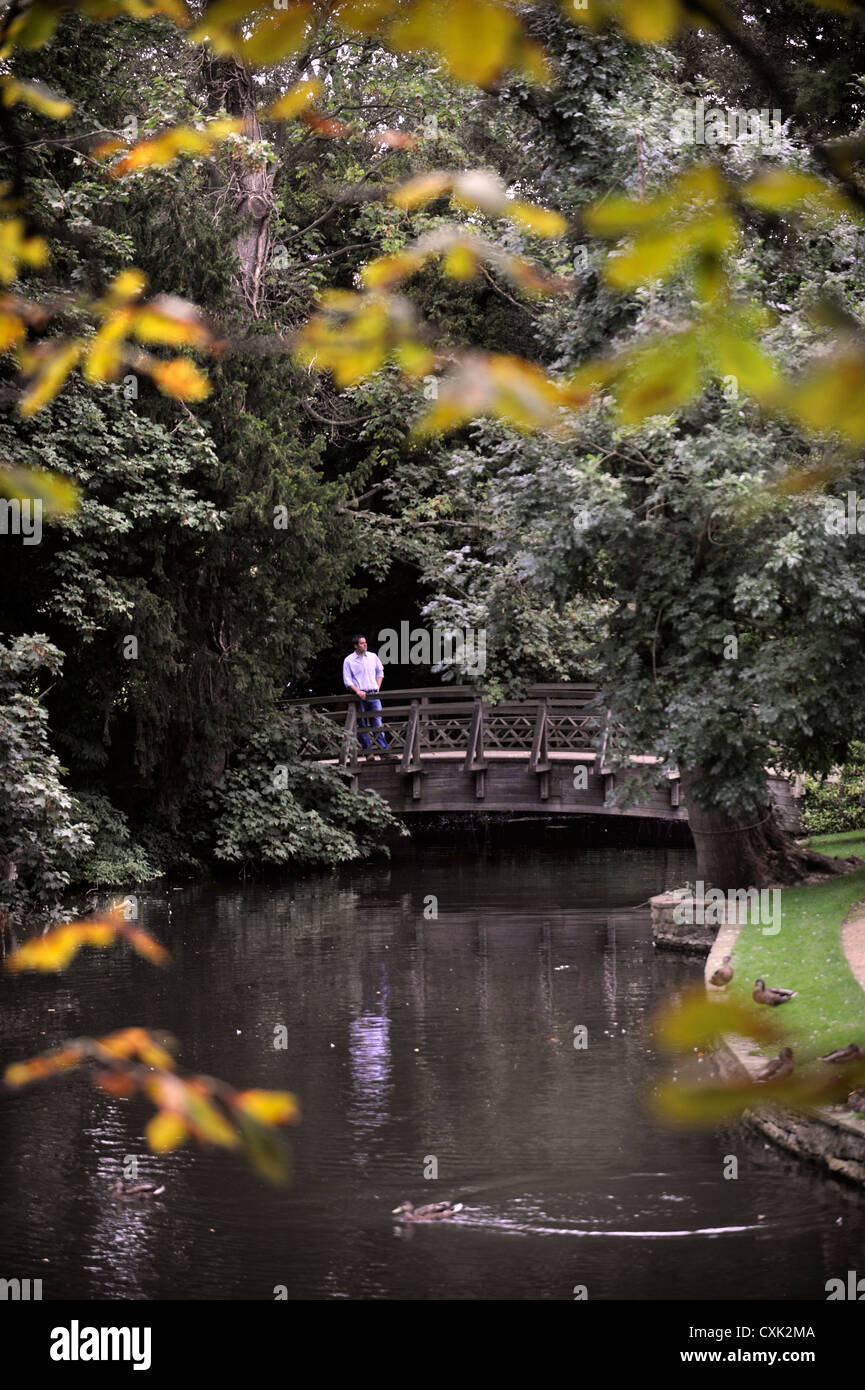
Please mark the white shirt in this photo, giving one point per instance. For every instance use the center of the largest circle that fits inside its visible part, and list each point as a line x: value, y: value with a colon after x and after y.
x: 362, y: 671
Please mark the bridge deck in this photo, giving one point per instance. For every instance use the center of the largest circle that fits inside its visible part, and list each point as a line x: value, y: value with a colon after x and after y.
x: 453, y: 751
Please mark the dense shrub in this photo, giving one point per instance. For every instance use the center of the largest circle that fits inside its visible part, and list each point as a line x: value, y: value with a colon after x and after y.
x: 837, y: 804
x: 42, y: 833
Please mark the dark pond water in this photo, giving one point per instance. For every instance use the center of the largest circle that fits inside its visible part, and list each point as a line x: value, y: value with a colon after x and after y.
x: 409, y: 1039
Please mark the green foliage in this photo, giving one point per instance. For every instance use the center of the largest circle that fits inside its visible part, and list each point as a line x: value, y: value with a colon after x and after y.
x: 272, y: 808
x: 836, y: 803
x: 114, y: 858
x: 41, y: 831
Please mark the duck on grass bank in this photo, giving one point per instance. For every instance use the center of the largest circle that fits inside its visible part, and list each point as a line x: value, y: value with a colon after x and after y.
x: 723, y: 975
x: 768, y: 994
x: 779, y: 1067
x: 434, y: 1211
x: 852, y: 1053
x: 136, y: 1191
x: 856, y: 1100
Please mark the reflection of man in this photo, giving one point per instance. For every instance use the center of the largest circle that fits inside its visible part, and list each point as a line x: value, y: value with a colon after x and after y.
x: 363, y: 673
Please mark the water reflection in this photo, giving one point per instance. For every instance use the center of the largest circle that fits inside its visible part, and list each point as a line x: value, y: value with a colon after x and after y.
x: 408, y: 1037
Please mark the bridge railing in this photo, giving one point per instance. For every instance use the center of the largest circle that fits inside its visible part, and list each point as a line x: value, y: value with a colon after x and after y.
x: 459, y: 720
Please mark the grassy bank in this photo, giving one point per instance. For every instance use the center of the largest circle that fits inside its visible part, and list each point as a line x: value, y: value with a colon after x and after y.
x: 806, y: 955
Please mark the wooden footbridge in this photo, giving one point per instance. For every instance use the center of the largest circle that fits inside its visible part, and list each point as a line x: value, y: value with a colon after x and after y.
x: 450, y: 750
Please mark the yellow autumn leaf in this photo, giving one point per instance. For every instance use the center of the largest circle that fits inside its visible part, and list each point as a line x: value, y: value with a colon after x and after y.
x: 363, y: 16
x: 205, y: 1120
x: 499, y: 385
x: 831, y: 398
x: 144, y: 944
x: 294, y: 100
x: 274, y: 38
x: 171, y: 321
x: 58, y: 495
x: 414, y: 359
x: 227, y: 11
x: 541, y: 221
x: 97, y: 933
x: 12, y: 330
x: 104, y: 355
x: 35, y: 95
x: 162, y: 149
x: 181, y: 379
x: 166, y: 1131
x: 130, y: 1043
x: 618, y: 214
x: 31, y: 28
x: 788, y: 190
x: 270, y: 1107
x: 657, y: 254
x: 38, y: 1068
x: 649, y: 258
x: 461, y: 261
x: 658, y: 378
x: 695, y: 1020
x: 421, y: 190
x: 17, y: 249
x: 645, y: 21
x: 127, y: 285
x: 650, y: 21
x: 385, y: 271
x: 52, y: 371
x: 690, y: 195
x: 735, y: 354
x: 352, y: 335
x: 478, y: 39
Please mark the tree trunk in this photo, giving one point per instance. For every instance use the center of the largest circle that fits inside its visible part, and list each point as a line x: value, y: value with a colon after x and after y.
x: 230, y: 85
x: 752, y: 850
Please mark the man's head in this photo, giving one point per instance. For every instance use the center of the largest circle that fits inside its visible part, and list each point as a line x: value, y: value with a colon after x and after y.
x: 359, y: 643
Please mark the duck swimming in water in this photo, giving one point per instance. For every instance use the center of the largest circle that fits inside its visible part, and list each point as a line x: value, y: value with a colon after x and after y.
x: 434, y: 1211
x: 136, y: 1191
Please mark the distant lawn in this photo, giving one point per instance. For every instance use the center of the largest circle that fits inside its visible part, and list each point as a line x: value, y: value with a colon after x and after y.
x: 806, y: 955
x: 851, y: 842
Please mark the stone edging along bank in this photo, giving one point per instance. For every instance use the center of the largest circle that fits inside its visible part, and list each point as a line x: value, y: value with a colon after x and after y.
x: 830, y: 1136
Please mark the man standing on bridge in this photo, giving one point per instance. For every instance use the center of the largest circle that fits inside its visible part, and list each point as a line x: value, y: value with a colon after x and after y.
x: 363, y: 673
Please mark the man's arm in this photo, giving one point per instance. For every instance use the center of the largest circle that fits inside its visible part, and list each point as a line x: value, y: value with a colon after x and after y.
x: 348, y: 680
x: 379, y: 673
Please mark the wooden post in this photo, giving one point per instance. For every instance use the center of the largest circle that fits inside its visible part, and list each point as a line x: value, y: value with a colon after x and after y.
x: 348, y: 752
x: 411, y: 751
x: 475, y: 761
x: 601, y: 754
x: 539, y: 760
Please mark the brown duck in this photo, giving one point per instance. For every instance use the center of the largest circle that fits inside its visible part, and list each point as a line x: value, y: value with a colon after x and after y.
x: 779, y: 1067
x: 724, y: 974
x: 768, y: 994
x: 434, y: 1211
x: 136, y: 1191
x: 852, y: 1053
x: 856, y: 1100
